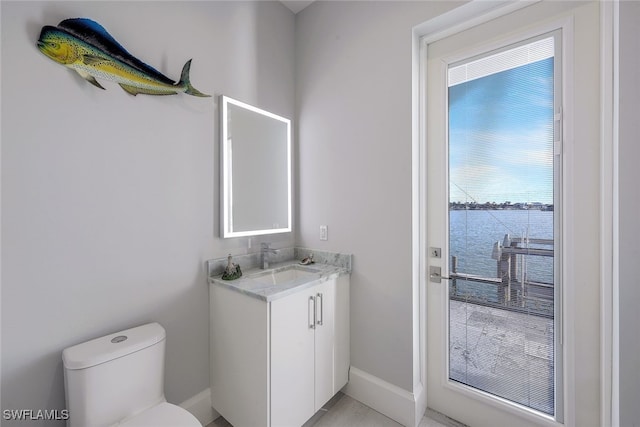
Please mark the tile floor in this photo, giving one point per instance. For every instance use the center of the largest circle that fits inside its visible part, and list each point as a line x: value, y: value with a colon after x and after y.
x: 344, y: 411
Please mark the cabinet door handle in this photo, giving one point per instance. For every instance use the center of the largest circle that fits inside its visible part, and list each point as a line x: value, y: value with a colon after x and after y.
x: 321, y: 317
x: 312, y: 321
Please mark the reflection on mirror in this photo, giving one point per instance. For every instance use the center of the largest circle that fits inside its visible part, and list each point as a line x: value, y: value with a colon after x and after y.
x: 256, y: 170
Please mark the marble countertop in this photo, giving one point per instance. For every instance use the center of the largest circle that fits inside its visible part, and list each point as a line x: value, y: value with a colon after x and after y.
x: 256, y: 282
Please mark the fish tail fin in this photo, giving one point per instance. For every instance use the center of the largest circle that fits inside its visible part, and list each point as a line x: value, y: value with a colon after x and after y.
x: 184, y: 81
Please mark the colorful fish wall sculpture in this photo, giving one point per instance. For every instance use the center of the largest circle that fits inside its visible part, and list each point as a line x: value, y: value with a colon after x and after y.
x: 87, y: 48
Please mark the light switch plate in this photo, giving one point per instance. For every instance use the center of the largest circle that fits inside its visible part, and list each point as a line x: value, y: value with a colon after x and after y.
x: 324, y: 232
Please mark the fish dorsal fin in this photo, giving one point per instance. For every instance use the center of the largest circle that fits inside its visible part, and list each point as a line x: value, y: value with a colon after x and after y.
x: 94, y: 34
x: 89, y: 31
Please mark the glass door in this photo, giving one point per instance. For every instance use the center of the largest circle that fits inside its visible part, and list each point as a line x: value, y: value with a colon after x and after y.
x: 502, y: 221
x: 493, y: 196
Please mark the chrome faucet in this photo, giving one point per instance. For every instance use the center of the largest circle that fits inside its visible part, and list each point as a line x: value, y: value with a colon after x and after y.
x: 265, y: 250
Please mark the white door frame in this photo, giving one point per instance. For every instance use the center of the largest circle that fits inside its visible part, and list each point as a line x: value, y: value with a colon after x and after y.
x: 609, y: 276
x: 459, y: 19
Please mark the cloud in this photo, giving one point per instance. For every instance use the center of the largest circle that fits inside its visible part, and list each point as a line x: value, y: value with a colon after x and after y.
x: 515, y: 172
x: 532, y: 148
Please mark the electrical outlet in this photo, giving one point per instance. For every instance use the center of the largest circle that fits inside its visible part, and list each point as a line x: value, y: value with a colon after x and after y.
x: 324, y: 232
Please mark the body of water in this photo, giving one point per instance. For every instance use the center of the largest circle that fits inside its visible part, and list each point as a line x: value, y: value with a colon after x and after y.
x: 473, y: 233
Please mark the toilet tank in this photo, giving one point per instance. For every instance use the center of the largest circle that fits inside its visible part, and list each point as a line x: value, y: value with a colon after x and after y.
x: 114, y: 377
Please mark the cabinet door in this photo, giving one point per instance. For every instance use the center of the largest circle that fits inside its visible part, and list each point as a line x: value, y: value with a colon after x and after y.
x: 292, y: 359
x: 342, y: 326
x: 239, y: 354
x: 325, y: 295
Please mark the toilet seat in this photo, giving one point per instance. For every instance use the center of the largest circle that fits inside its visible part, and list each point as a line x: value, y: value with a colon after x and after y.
x: 163, y: 415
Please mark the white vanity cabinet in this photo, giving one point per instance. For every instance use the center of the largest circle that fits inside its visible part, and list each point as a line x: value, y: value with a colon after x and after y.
x: 275, y: 363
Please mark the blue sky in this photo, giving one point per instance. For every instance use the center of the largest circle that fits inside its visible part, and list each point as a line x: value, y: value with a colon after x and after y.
x: 501, y: 136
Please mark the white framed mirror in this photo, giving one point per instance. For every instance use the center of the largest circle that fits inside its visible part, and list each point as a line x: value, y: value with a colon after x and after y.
x: 256, y: 170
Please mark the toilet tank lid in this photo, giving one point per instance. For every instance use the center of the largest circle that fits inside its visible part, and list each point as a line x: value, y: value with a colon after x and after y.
x: 112, y: 346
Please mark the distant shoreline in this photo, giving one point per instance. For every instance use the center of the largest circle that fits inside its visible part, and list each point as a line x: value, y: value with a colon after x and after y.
x: 459, y: 206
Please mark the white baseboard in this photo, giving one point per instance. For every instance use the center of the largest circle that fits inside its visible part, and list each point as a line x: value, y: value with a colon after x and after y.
x: 200, y: 406
x: 388, y: 399
x: 420, y: 407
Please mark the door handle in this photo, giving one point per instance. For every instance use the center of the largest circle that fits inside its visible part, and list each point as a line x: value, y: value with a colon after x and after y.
x: 435, y: 274
x: 311, y: 320
x: 321, y: 317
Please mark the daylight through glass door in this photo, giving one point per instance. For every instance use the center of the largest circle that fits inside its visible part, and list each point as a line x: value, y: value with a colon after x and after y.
x: 503, y: 139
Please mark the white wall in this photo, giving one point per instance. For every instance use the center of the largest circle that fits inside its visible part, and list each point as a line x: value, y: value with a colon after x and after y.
x: 353, y: 92
x: 109, y: 201
x: 629, y: 154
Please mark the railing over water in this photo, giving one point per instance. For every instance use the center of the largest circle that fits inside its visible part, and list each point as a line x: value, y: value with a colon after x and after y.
x: 512, y: 289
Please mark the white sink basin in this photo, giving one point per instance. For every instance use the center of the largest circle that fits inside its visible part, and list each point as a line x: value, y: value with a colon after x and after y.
x: 285, y: 275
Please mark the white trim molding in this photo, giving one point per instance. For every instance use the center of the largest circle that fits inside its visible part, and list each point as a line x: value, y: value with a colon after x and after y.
x: 200, y: 406
x: 609, y: 274
x: 388, y: 399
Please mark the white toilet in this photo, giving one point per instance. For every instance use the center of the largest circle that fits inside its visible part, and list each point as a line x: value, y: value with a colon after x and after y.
x: 118, y: 380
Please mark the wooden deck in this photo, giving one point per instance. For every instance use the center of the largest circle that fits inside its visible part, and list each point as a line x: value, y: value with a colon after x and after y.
x: 505, y: 353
